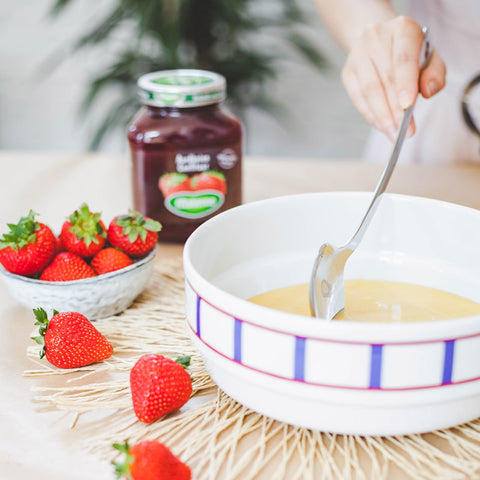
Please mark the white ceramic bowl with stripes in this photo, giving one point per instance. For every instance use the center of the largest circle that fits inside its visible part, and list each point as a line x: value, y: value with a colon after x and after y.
x: 95, y: 297
x: 344, y: 377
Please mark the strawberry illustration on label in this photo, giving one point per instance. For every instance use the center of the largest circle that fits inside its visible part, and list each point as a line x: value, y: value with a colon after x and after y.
x: 209, y: 180
x: 173, y: 182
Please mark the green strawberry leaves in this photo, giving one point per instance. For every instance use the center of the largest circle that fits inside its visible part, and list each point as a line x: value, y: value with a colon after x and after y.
x: 42, y: 322
x: 86, y: 225
x: 135, y: 225
x: 21, y: 234
x: 183, y: 361
x: 123, y: 469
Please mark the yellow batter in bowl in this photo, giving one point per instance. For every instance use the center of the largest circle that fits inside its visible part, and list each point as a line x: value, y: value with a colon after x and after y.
x: 377, y: 301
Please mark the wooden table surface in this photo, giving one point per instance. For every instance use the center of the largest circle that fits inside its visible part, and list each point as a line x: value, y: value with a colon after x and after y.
x: 36, y: 445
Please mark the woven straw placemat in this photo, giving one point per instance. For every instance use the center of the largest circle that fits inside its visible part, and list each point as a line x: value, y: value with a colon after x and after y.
x: 219, y: 438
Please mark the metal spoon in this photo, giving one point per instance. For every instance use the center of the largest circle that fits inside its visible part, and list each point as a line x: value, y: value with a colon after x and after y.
x: 326, y: 282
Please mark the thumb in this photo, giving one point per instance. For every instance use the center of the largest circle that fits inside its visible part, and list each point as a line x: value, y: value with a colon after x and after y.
x: 432, y: 79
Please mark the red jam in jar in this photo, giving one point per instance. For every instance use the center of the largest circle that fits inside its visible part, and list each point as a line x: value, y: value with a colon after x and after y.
x: 186, y: 151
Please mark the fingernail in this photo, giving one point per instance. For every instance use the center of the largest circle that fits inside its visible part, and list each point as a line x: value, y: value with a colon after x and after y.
x: 404, y: 99
x: 432, y: 88
x: 392, y: 133
x: 410, y: 131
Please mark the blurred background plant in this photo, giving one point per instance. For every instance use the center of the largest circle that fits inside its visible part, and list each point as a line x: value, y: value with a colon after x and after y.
x: 216, y: 35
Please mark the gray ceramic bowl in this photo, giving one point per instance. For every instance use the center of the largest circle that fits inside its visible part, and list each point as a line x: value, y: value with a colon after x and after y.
x: 95, y: 297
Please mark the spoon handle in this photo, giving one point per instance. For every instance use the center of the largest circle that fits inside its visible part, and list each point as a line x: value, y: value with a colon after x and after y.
x: 425, y: 54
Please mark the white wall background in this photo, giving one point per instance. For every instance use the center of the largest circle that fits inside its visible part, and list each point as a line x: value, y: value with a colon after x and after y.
x: 41, y: 112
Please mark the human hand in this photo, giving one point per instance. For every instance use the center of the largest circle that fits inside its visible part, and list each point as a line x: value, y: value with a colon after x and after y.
x: 381, y: 73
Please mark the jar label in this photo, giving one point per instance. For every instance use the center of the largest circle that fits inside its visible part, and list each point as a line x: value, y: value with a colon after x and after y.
x: 193, y: 196
x: 227, y: 158
x: 192, y: 162
x: 194, y: 204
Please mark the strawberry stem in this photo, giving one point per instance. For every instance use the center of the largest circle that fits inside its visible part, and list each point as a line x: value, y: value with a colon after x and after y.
x: 20, y: 234
x: 136, y: 225
x: 86, y: 225
x: 183, y: 361
x: 123, y: 468
x: 42, y: 322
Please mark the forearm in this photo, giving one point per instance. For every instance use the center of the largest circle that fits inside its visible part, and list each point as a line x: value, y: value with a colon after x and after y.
x: 347, y: 19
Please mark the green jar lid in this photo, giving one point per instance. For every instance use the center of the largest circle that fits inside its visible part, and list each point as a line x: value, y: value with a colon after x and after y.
x: 181, y: 88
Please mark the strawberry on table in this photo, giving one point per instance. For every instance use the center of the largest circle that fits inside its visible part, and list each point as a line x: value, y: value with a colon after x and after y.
x: 159, y: 386
x: 110, y: 259
x: 84, y: 233
x: 70, y: 340
x: 28, y: 247
x: 150, y: 460
x: 209, y: 180
x: 135, y: 234
x: 173, y: 182
x: 67, y: 266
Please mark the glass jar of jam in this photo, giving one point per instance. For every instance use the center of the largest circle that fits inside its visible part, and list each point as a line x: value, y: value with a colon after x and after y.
x: 186, y: 151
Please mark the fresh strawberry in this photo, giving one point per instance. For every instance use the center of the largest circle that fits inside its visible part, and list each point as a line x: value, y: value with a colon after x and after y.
x: 159, y: 386
x: 59, y: 246
x: 109, y: 260
x: 70, y: 340
x: 209, y: 180
x: 135, y: 234
x: 84, y: 233
x: 28, y: 247
x: 67, y: 266
x: 173, y: 182
x: 150, y: 460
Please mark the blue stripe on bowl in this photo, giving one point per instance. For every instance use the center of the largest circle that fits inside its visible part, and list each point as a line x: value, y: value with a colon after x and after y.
x: 448, y: 362
x: 299, y: 366
x: 376, y: 366
x: 199, y: 300
x: 237, y: 340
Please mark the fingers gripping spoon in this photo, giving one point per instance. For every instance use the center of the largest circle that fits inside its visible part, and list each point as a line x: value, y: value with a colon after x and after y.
x: 326, y: 282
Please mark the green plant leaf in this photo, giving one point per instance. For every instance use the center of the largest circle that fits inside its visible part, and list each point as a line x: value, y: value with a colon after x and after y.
x: 217, y: 35
x: 58, y: 6
x: 307, y: 49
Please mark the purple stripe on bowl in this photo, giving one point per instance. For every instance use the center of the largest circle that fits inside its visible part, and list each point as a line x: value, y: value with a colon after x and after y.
x: 448, y: 362
x: 376, y: 366
x: 198, y: 315
x: 299, y: 366
x: 237, y: 340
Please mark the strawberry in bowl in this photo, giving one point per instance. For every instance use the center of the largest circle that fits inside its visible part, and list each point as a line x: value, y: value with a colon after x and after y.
x: 67, y: 266
x: 134, y: 234
x: 28, y: 247
x: 79, y: 271
x: 84, y: 233
x: 109, y: 260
